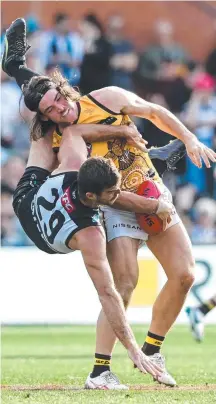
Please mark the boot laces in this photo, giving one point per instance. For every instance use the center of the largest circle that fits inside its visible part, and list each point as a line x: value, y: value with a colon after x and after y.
x: 110, y: 377
x: 19, y: 45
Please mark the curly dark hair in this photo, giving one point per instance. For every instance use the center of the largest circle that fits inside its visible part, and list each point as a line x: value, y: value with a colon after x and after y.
x: 35, y: 89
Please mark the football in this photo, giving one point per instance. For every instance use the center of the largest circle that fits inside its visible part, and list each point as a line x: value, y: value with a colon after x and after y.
x: 150, y: 223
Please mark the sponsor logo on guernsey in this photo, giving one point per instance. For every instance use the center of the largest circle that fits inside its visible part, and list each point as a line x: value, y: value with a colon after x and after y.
x: 74, y: 194
x: 96, y: 218
x: 66, y: 201
x: 108, y: 121
x: 127, y: 226
x: 33, y: 180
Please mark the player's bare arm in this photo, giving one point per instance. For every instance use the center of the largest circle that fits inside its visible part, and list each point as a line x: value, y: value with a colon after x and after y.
x: 139, y: 204
x: 73, y: 151
x: 130, y: 104
x: 99, y: 270
x: 100, y: 133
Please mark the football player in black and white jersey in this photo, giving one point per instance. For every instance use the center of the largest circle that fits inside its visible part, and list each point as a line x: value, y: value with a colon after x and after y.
x: 59, y: 212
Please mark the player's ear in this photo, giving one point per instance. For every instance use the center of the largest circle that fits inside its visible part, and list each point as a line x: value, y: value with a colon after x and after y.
x: 90, y: 195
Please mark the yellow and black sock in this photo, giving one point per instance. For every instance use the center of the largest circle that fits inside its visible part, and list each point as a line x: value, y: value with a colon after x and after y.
x: 207, y: 306
x: 102, y: 363
x: 152, y: 344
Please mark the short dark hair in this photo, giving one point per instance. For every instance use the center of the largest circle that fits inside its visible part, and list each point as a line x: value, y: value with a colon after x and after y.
x: 59, y: 17
x: 93, y: 19
x: 96, y: 175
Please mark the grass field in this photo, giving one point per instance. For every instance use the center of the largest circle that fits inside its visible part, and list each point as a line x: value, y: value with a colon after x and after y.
x: 50, y: 364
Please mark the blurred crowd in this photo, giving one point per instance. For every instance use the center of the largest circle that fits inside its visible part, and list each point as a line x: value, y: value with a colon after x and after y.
x: 92, y: 55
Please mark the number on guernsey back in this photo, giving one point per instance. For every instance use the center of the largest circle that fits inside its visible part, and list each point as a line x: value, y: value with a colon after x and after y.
x: 56, y: 220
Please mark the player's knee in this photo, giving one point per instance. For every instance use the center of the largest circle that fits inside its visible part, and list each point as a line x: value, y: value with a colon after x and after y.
x: 126, y: 289
x: 183, y: 274
x: 187, y: 279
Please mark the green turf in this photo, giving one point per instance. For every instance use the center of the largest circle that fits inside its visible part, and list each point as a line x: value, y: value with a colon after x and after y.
x: 62, y: 356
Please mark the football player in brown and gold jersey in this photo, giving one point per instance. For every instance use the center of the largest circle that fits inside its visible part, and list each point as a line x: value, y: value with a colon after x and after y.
x: 58, y: 105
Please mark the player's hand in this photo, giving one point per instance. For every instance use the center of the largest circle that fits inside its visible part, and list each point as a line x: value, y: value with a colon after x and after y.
x: 134, y: 138
x: 143, y: 363
x: 165, y: 210
x: 197, y: 152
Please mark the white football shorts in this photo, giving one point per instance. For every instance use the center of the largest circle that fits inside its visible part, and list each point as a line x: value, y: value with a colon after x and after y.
x: 119, y: 223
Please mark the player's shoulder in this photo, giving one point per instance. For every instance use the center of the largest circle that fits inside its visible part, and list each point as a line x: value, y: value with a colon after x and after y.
x: 112, y: 97
x: 108, y: 91
x: 62, y: 179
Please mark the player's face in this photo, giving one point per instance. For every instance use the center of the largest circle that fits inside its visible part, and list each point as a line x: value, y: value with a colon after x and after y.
x: 109, y: 195
x: 56, y: 108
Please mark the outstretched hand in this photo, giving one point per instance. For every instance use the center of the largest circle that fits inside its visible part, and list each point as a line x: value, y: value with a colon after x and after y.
x: 197, y: 152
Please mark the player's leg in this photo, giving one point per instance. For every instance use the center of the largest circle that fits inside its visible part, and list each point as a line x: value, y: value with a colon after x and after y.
x: 13, y: 60
x: 40, y: 163
x: 196, y: 317
x: 122, y: 256
x: 173, y: 250
x: 41, y: 154
x: 73, y: 150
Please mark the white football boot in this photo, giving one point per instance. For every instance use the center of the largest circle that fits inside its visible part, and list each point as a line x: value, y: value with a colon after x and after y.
x: 195, y: 317
x: 165, y: 378
x: 105, y: 381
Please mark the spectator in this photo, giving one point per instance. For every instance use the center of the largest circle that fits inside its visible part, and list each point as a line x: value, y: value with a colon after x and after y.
x: 204, y: 230
x: 10, y: 95
x: 65, y: 48
x: 95, y: 69
x: 210, y: 63
x: 214, y: 181
x: 124, y: 60
x: 14, y: 126
x: 200, y: 117
x: 2, y: 39
x: 21, y: 140
x: 178, y: 90
x: 163, y: 58
x: 11, y: 231
x: 185, y: 197
x: 35, y: 36
x: 12, y: 171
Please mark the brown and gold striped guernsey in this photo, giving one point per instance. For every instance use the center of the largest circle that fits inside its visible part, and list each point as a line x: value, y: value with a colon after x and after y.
x: 133, y: 164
